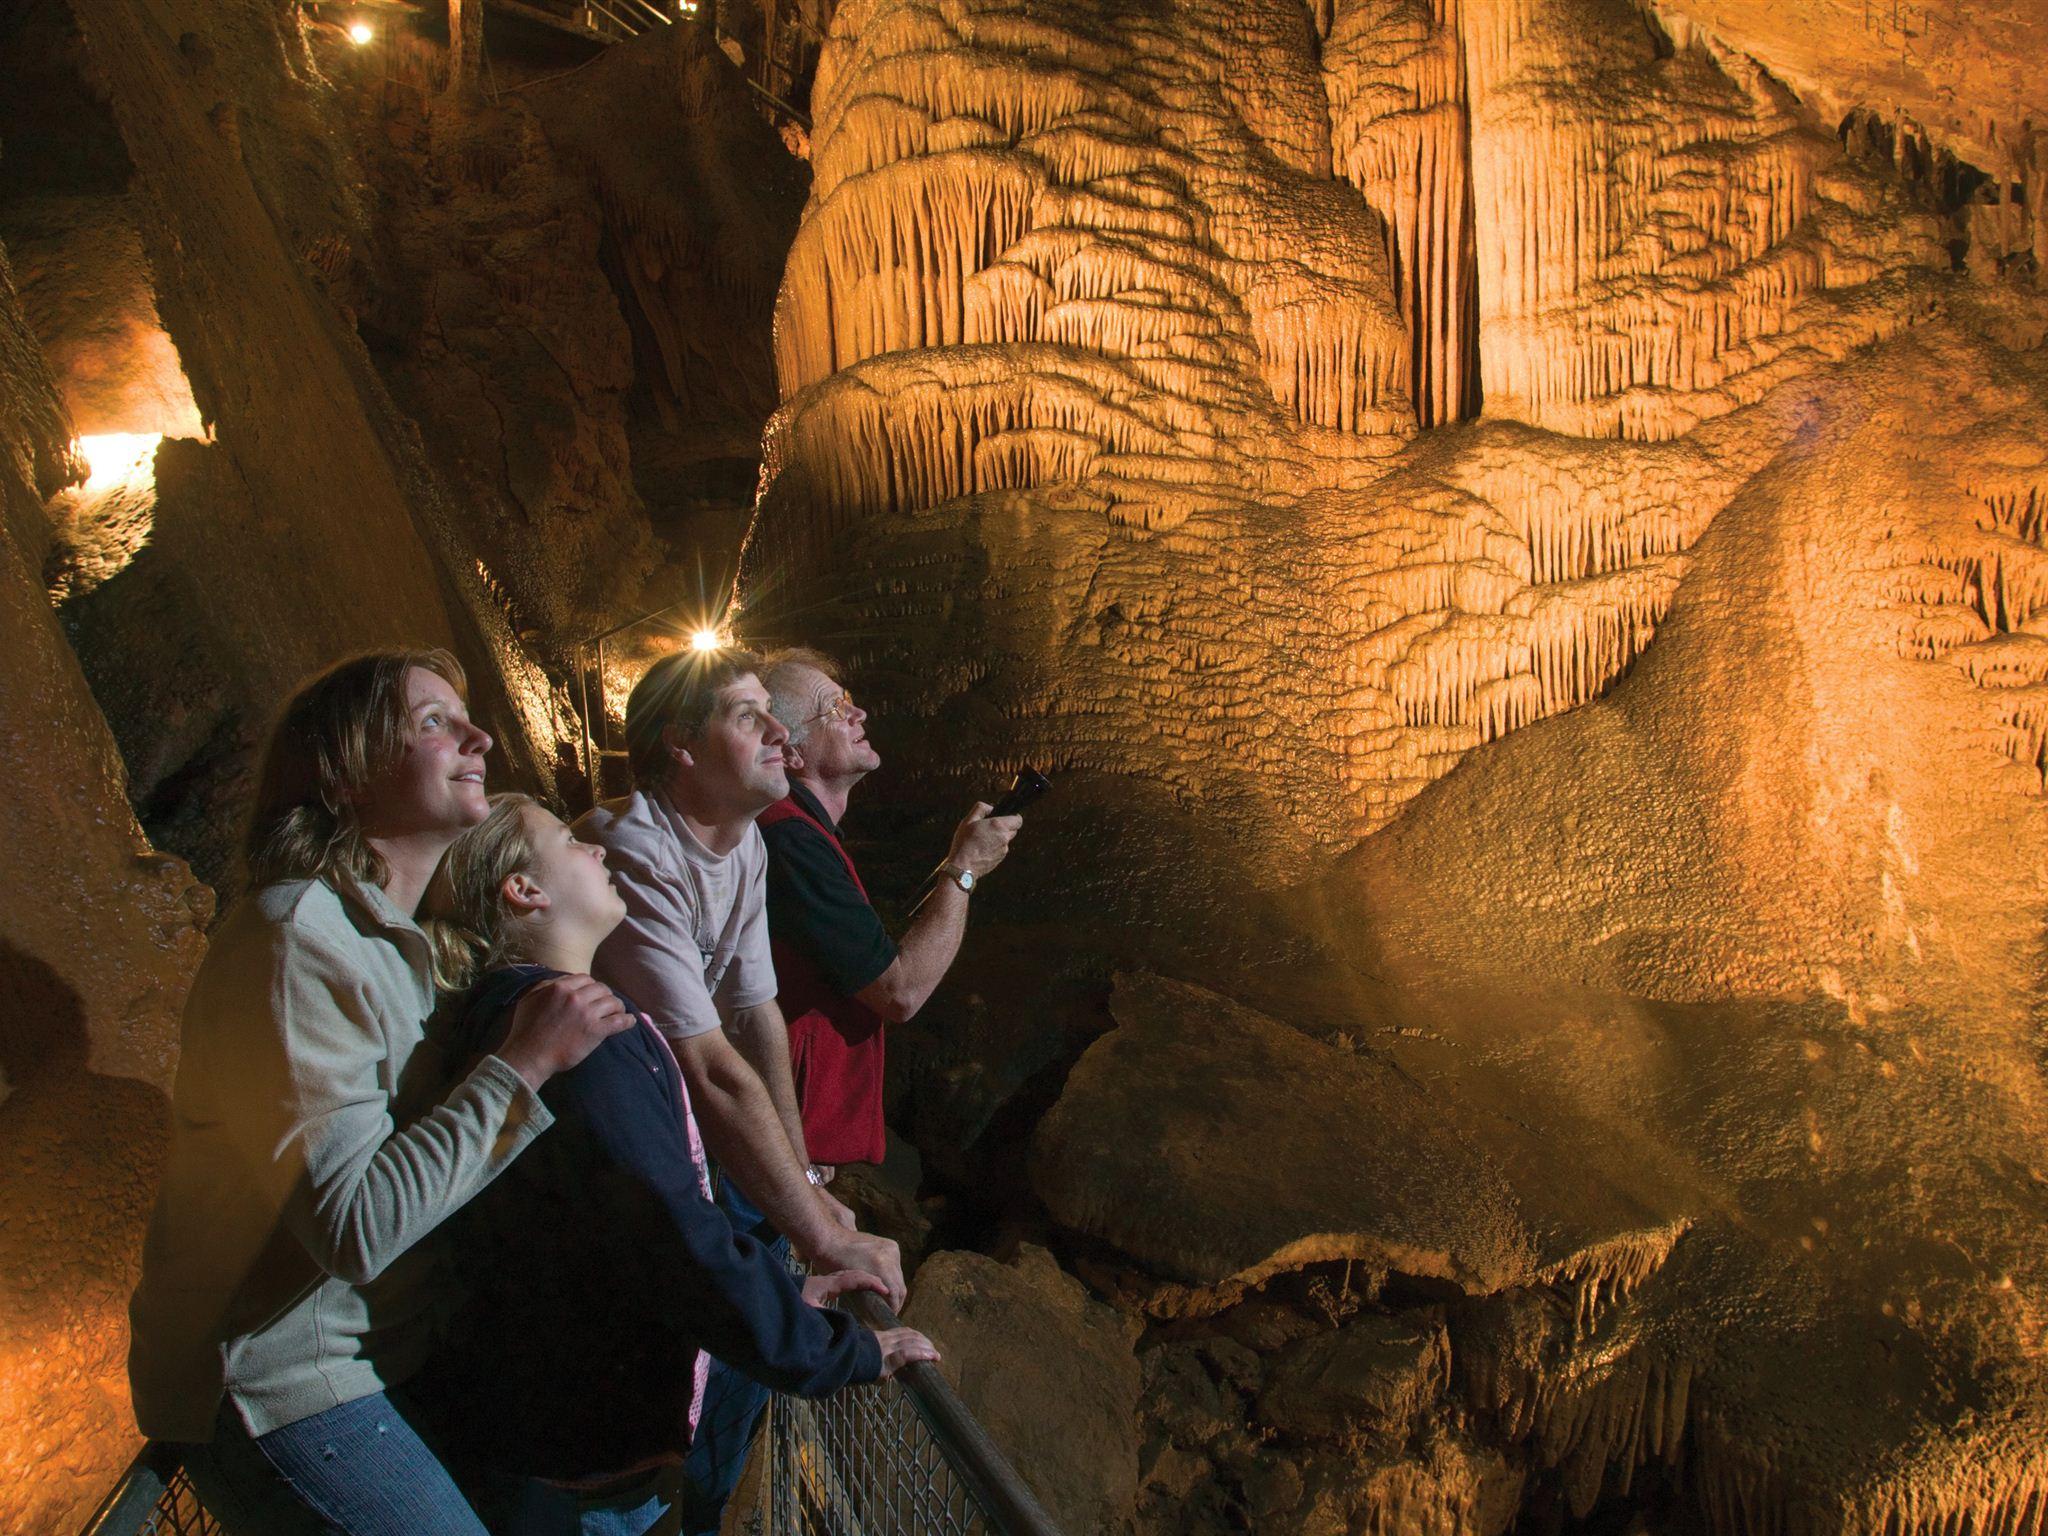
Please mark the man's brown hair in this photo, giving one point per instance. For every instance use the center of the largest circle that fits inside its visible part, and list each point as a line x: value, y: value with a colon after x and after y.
x: 677, y: 693
x: 336, y: 734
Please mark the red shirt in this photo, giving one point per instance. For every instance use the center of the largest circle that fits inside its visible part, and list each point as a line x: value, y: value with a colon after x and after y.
x: 835, y: 1040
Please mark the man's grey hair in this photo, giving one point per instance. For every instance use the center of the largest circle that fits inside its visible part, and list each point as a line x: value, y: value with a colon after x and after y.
x: 789, y: 700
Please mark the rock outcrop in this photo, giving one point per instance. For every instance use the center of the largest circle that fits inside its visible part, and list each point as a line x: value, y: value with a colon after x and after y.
x: 1219, y: 1148
x: 98, y: 940
x: 1047, y: 1370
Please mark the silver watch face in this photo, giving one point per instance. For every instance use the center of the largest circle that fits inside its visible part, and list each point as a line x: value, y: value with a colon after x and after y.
x: 964, y: 878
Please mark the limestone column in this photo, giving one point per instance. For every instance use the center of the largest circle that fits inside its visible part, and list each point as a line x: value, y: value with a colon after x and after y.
x: 465, y: 50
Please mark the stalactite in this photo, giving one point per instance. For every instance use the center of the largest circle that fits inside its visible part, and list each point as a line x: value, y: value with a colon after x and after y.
x: 1652, y: 231
x: 1605, y: 1275
x: 1976, y: 597
x: 1395, y: 78
x: 895, y: 435
x: 883, y: 266
x: 1742, y: 1489
x: 1478, y: 616
x: 984, y: 177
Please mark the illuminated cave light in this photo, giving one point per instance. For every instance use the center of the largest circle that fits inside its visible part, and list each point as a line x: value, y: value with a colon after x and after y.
x: 705, y: 640
x: 360, y: 33
x: 118, y: 458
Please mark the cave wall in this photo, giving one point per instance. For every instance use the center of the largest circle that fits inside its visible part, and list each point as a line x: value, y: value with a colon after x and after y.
x: 410, y: 394
x: 98, y: 941
x: 342, y: 537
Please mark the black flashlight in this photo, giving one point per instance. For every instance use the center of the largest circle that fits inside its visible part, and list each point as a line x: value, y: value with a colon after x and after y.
x: 1029, y: 786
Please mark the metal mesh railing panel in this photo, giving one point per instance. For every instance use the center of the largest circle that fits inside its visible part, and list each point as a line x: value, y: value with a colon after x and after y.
x: 177, y: 1512
x: 862, y: 1463
x: 153, y: 1498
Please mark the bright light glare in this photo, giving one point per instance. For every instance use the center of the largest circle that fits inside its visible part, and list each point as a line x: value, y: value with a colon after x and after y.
x: 115, y: 458
x: 705, y: 640
x: 360, y: 32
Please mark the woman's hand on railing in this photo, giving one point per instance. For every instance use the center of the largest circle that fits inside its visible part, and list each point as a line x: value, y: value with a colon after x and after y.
x: 901, y: 1347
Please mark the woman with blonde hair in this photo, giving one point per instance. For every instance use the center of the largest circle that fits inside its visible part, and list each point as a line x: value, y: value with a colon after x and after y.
x: 597, y: 1271
x: 286, y: 1285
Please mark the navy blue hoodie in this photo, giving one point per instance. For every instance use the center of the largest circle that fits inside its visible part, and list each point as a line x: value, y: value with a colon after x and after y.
x: 595, y: 1269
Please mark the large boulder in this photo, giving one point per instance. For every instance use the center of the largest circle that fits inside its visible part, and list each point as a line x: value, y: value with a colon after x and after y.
x: 1218, y: 1147
x: 1049, y: 1372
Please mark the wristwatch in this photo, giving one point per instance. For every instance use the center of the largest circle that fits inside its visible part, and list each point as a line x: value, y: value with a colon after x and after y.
x: 964, y: 878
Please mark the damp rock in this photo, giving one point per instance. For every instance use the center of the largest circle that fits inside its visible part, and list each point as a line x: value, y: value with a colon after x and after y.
x: 1047, y: 1369
x: 1373, y: 1377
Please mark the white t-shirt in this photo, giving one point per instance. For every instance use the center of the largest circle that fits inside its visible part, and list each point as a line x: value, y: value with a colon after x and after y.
x: 693, y: 948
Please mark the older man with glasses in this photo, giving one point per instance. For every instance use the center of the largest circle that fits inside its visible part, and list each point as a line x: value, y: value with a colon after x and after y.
x: 842, y: 977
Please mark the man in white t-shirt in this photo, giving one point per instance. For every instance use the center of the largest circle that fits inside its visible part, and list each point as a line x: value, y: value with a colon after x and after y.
x: 687, y: 857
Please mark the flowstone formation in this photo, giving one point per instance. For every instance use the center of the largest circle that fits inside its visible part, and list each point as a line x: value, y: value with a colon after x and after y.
x: 1518, y: 529
x: 1082, y: 254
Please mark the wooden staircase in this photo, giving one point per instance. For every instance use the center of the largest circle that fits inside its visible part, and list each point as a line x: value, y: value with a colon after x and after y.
x: 789, y: 39
x: 601, y: 21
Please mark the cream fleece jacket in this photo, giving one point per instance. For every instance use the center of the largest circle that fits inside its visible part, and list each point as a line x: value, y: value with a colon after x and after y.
x: 314, y: 1145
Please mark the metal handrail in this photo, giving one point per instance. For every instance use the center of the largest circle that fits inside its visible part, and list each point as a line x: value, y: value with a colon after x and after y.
x: 154, y: 1498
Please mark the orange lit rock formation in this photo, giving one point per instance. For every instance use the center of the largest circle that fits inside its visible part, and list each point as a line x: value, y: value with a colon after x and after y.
x: 1560, y: 502
x: 1518, y: 526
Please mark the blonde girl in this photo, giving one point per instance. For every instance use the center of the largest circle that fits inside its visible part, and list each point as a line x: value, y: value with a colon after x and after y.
x: 598, y: 1271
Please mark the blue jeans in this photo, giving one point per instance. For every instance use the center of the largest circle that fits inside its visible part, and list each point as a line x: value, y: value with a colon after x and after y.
x: 632, y: 1507
x: 733, y: 1402
x: 357, y: 1470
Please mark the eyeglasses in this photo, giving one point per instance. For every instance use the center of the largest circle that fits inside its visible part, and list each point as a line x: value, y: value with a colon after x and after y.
x: 841, y: 709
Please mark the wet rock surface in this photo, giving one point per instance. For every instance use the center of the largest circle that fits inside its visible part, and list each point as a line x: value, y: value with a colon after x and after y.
x: 1047, y: 1369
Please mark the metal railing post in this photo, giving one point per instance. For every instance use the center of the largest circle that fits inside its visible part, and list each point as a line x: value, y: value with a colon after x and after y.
x: 153, y: 1498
